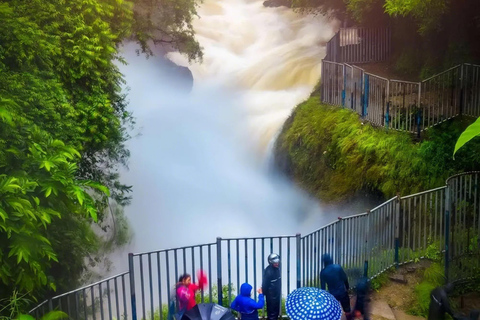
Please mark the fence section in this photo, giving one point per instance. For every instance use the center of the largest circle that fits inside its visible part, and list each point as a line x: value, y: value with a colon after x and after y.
x: 106, y: 299
x: 359, y: 45
x: 403, y: 105
x: 245, y: 259
x: 403, y: 108
x: 157, y: 273
x: 463, y: 252
x: 422, y: 225
x: 401, y: 230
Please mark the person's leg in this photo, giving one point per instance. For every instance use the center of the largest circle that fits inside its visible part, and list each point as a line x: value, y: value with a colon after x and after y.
x: 273, y: 309
x: 345, y: 302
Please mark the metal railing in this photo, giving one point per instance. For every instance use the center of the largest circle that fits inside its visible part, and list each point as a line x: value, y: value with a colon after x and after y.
x: 359, y: 45
x: 442, y: 221
x: 403, y: 105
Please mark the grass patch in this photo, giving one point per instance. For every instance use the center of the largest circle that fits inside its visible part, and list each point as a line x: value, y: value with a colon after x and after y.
x: 331, y: 153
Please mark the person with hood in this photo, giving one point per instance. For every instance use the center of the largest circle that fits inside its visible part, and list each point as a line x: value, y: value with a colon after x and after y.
x: 336, y: 279
x: 185, y: 290
x: 272, y: 286
x: 439, y: 304
x: 247, y: 306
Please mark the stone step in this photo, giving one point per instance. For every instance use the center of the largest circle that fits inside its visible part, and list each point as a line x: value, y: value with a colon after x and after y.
x: 400, y: 315
x: 380, y: 310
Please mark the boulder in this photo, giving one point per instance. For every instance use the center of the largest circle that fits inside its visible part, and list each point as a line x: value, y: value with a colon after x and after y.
x: 277, y: 3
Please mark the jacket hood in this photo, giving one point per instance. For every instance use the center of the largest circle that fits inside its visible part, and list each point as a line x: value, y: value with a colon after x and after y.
x: 245, y: 290
x: 327, y: 259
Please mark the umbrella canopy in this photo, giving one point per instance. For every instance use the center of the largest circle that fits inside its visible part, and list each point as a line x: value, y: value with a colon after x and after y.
x: 208, y: 311
x: 312, y: 304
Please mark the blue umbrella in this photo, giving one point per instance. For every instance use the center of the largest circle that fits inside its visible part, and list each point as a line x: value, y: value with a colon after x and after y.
x: 312, y: 303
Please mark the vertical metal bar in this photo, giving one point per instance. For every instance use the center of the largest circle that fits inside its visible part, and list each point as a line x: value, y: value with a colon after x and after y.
x: 193, y: 262
x: 246, y: 260
x: 299, y: 257
x: 255, y: 266
x: 142, y: 286
x: 84, y: 296
x: 92, y: 292
x: 124, y: 295
x: 184, y: 258
x: 167, y: 269
x: 132, y: 286
x: 117, y: 304
x: 175, y: 261
x: 237, y: 241
x: 150, y: 282
x: 201, y: 266
x: 159, y: 275
x: 110, y: 301
x: 229, y: 272
x: 101, y: 301
x: 219, y: 270
x: 288, y: 265
x: 447, y: 231
x: 210, y: 271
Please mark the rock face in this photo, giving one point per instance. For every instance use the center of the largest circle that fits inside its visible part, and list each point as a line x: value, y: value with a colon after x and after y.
x: 180, y: 77
x: 277, y: 3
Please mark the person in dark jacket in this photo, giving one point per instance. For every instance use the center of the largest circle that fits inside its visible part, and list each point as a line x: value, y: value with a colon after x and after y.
x: 336, y: 279
x: 272, y: 286
x: 439, y: 304
x: 361, y: 303
x: 244, y: 304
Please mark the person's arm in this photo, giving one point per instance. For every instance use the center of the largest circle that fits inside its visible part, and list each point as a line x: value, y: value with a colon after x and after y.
x: 265, y: 281
x: 446, y: 304
x: 345, y: 279
x: 322, y: 281
x: 234, y: 304
x: 257, y: 305
x: 202, y: 279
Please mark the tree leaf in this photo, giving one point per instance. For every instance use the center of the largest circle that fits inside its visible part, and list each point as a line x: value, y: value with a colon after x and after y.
x: 471, y: 132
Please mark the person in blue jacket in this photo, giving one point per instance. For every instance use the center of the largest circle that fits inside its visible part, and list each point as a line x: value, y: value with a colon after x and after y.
x: 337, y: 281
x: 244, y: 304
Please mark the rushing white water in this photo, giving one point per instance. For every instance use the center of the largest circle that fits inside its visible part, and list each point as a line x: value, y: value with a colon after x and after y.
x: 197, y: 166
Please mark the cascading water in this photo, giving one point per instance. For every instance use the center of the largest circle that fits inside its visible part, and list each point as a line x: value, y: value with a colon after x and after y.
x: 197, y: 164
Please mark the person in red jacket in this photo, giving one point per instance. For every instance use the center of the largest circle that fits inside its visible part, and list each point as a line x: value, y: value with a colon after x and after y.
x: 186, y: 291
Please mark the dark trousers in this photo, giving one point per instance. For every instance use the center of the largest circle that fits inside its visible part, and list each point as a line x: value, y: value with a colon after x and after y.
x: 344, y: 300
x: 273, y: 308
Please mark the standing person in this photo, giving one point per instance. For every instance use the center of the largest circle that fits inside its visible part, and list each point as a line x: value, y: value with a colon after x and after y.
x: 186, y: 291
x: 244, y: 304
x: 439, y: 304
x: 337, y: 281
x: 272, y: 286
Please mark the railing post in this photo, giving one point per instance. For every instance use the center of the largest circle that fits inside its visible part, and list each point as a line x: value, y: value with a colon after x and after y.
x: 447, y: 230
x: 338, y: 241
x: 132, y: 286
x: 397, y: 231
x: 367, y: 251
x: 299, y: 257
x: 462, y: 90
x: 219, y: 271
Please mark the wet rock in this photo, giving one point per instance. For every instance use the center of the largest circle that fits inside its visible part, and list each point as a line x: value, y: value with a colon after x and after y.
x: 277, y: 3
x: 400, y: 278
x: 181, y: 77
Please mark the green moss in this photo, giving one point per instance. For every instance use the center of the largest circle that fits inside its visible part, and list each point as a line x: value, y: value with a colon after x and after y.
x: 331, y: 153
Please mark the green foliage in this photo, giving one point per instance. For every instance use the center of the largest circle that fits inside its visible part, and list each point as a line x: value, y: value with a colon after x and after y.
x: 427, y: 13
x: 12, y: 309
x: 330, y: 153
x: 433, y: 277
x: 379, y: 281
x: 167, y: 23
x: 471, y: 132
x: 37, y: 186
